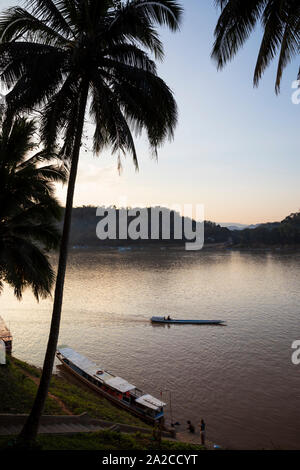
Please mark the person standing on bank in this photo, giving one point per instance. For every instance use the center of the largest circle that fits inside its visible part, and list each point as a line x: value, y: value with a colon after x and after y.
x: 202, y: 426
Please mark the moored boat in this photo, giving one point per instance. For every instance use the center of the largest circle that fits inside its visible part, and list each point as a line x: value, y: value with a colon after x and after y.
x: 186, y: 322
x: 5, y: 336
x: 114, y: 388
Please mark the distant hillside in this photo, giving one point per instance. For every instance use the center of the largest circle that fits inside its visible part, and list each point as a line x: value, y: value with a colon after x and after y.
x: 236, y: 226
x: 84, y: 223
x: 286, y: 232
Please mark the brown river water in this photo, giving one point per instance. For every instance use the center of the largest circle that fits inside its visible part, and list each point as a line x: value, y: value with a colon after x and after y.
x: 239, y: 378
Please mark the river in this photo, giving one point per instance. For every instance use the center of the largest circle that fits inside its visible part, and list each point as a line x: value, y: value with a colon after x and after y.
x: 238, y: 377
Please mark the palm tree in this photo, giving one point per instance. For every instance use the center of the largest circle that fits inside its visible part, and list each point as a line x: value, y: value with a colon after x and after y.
x: 28, y: 211
x: 65, y: 56
x: 280, y: 21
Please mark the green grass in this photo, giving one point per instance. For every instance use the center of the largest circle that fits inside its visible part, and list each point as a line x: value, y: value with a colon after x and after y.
x: 103, y: 440
x: 18, y: 391
x: 32, y: 370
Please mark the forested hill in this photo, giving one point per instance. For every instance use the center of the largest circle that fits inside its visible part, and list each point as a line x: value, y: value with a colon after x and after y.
x: 284, y: 233
x: 85, y: 220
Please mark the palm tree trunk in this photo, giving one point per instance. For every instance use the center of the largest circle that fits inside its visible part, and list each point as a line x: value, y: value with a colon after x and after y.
x: 30, y: 429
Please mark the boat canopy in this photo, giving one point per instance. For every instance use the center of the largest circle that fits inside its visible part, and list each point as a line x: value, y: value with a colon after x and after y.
x: 120, y: 384
x: 150, y: 402
x: 96, y: 371
x: 80, y: 361
x: 5, y: 334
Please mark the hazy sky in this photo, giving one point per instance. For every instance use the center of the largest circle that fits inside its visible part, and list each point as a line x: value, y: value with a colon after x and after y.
x: 236, y: 149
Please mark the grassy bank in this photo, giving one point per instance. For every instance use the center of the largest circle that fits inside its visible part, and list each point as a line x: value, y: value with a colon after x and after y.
x: 18, y: 385
x: 18, y: 391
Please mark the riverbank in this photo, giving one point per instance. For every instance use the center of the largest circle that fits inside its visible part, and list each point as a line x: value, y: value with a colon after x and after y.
x: 180, y: 248
x: 18, y: 385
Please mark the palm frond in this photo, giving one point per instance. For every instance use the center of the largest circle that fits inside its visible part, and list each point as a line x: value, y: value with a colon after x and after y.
x: 16, y: 22
x: 130, y: 25
x: 60, y: 115
x: 31, y: 267
x: 111, y: 127
x: 290, y: 44
x: 280, y: 20
x: 273, y: 32
x: 129, y: 54
x: 45, y: 233
x: 48, y: 11
x: 161, y: 12
x: 29, y: 211
x: 28, y: 68
x: 235, y: 24
x: 148, y: 102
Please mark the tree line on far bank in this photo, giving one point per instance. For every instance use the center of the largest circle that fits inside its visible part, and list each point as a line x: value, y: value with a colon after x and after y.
x: 286, y: 232
x: 84, y: 222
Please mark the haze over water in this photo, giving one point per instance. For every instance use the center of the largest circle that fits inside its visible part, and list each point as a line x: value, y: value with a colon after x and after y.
x: 240, y: 378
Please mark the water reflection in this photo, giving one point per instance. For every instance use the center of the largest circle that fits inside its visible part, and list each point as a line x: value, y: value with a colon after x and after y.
x: 240, y: 379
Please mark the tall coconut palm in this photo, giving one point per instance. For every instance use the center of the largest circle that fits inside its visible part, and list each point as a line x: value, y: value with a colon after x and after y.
x: 28, y: 211
x: 69, y: 57
x: 280, y: 20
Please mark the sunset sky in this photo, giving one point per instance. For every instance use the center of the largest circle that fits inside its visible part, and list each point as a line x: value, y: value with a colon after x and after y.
x: 236, y: 149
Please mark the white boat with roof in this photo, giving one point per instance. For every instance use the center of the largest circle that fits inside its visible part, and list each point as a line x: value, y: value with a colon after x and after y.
x: 114, y: 388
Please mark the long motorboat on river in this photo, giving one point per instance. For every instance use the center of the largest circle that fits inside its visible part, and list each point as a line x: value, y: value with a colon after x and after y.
x: 186, y: 322
x: 114, y: 388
